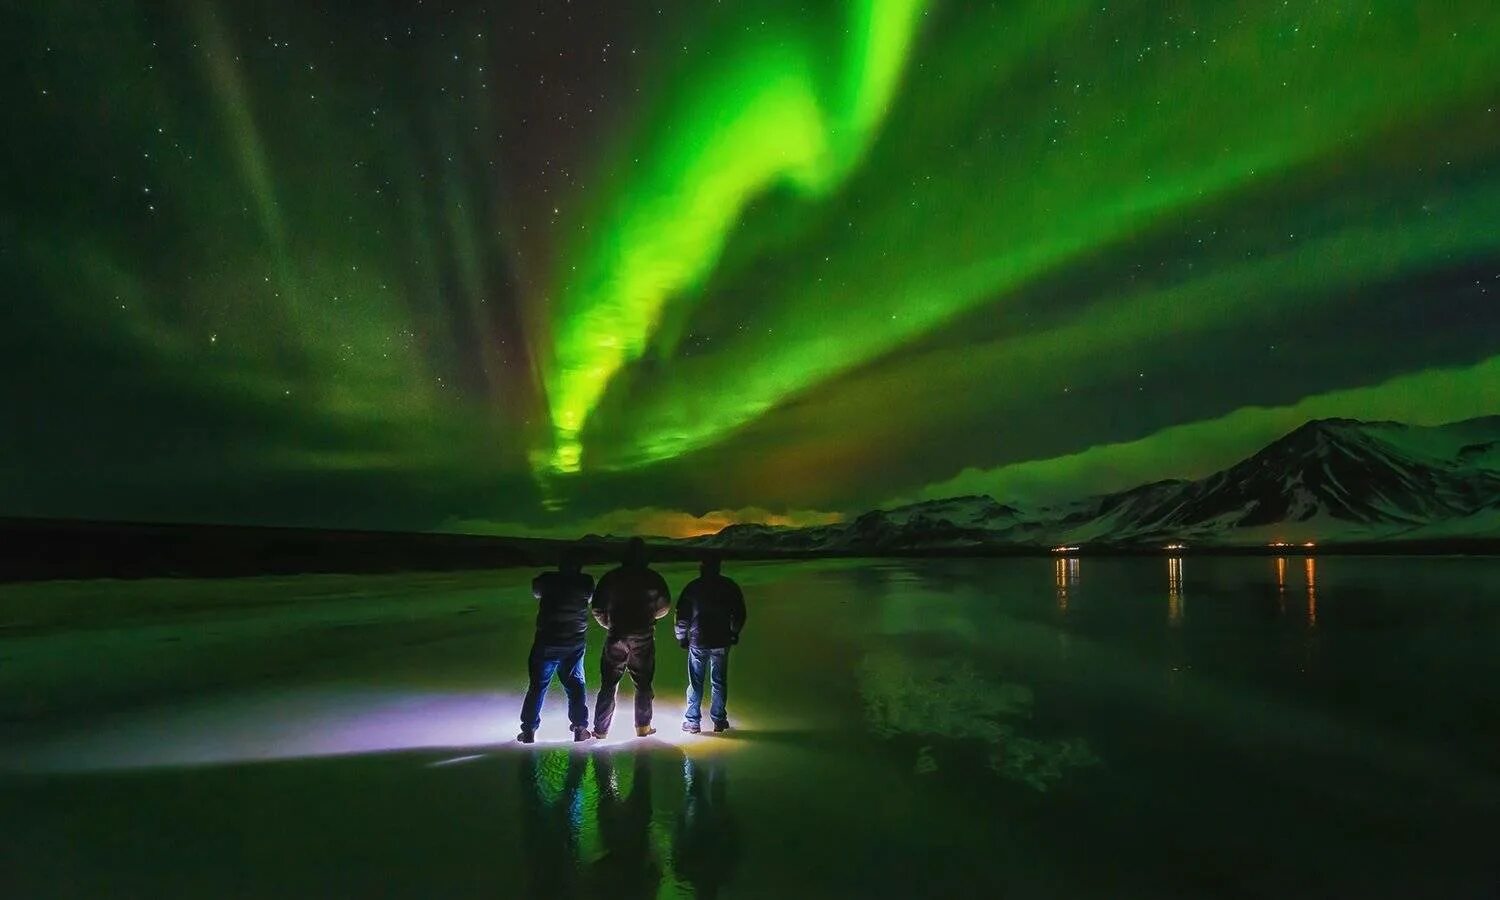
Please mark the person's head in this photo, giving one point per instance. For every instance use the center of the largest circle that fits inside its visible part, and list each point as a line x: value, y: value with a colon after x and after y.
x: 635, y: 552
x: 571, y: 561
x: 710, y: 565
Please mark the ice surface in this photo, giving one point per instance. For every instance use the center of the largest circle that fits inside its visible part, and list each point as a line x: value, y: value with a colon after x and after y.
x: 1028, y: 727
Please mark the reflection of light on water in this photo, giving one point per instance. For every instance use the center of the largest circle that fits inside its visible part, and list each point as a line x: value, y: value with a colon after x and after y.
x: 1174, y: 591
x: 320, y: 722
x: 1064, y: 576
x: 1310, y: 571
x: 1281, y: 583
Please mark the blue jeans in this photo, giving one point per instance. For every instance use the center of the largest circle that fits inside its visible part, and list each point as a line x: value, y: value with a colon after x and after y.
x: 567, y: 664
x: 717, y: 664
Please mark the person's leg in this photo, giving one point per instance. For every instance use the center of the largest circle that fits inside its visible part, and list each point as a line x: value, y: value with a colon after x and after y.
x: 611, y: 670
x: 718, y: 676
x: 571, y: 673
x: 540, y: 667
x: 642, y: 671
x: 694, y: 712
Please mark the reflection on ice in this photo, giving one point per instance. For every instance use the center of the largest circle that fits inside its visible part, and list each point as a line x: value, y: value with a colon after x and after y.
x: 1174, y: 591
x: 706, y: 845
x: 1281, y: 584
x: 1310, y: 572
x: 591, y: 824
x: 1064, y: 577
x: 950, y: 698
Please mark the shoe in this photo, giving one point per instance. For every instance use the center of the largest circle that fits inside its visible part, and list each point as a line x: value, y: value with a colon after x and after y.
x: 527, y: 736
x: 644, y: 731
x: 581, y: 733
x: 600, y: 735
x: 691, y: 727
x: 721, y: 725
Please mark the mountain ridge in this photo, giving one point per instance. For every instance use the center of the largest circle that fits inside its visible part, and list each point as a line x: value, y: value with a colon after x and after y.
x: 1335, y: 480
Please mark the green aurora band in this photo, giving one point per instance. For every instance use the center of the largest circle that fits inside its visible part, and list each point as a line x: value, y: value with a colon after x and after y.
x: 760, y: 117
x: 1140, y: 145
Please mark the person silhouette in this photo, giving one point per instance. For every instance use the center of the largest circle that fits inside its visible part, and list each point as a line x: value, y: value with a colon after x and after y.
x: 629, y: 867
x: 562, y: 619
x: 710, y: 614
x: 706, y: 845
x: 627, y: 603
x: 551, y: 821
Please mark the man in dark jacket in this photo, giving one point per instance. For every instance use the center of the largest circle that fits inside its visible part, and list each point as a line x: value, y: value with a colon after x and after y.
x: 562, y: 620
x: 627, y: 603
x: 710, y: 614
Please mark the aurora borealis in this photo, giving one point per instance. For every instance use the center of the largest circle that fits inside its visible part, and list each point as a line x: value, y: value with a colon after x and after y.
x: 572, y: 266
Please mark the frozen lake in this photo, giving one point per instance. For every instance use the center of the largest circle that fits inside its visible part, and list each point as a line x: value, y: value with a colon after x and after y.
x: 1239, y: 727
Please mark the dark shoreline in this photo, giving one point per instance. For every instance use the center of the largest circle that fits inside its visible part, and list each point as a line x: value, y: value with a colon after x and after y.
x: 57, y: 549
x: 53, y: 549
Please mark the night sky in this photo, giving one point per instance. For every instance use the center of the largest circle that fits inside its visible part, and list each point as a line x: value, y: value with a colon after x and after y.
x: 555, y: 266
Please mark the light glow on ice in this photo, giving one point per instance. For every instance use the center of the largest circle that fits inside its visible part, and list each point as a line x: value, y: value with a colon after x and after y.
x: 323, y: 722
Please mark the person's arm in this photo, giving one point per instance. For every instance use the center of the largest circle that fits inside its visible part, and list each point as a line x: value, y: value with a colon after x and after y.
x: 684, y: 615
x: 663, y: 598
x: 736, y: 613
x: 599, y: 603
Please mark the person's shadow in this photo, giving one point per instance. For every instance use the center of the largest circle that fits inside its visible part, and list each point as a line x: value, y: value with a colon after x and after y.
x: 706, y: 846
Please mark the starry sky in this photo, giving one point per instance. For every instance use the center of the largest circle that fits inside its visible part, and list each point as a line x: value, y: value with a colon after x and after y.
x: 563, y: 266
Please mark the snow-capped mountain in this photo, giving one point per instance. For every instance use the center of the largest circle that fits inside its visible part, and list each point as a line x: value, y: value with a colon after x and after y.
x: 1331, y: 480
x: 1335, y: 479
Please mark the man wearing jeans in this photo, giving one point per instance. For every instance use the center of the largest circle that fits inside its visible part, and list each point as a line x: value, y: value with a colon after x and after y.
x: 561, y: 624
x: 710, y: 614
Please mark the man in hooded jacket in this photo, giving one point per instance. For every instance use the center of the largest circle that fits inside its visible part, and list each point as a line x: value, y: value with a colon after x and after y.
x: 561, y: 625
x: 710, y: 614
x: 627, y: 603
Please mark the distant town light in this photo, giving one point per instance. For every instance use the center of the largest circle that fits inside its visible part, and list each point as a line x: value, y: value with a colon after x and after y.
x: 1175, y: 547
x: 1064, y: 549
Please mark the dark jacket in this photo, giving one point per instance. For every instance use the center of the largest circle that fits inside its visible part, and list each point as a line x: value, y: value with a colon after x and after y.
x: 630, y: 599
x: 562, y: 613
x: 710, y: 613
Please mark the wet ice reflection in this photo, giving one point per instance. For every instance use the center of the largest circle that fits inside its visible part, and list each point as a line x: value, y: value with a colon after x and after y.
x: 949, y: 698
x: 593, y: 823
